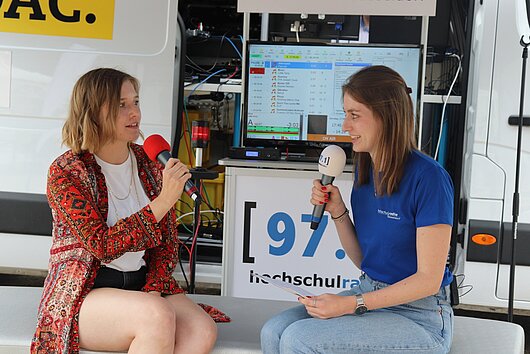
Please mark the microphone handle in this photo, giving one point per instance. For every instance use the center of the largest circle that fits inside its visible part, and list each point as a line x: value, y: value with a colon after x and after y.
x: 325, y: 180
x: 163, y: 157
x: 318, y: 210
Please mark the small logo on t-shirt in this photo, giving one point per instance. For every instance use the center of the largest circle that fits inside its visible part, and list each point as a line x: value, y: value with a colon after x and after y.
x: 389, y: 214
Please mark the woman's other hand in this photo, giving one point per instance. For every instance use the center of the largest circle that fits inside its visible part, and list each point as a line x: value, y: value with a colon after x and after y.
x: 328, y: 305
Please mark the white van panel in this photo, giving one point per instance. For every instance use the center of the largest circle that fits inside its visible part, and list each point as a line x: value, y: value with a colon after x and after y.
x: 485, y: 287
x: 505, y: 94
x: 521, y: 289
x: 36, y: 251
x: 140, y: 28
x: 489, y: 180
x: 45, y: 68
x: 480, y: 75
x: 490, y: 154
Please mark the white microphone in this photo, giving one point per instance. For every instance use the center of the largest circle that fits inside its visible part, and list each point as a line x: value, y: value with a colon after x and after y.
x: 331, y: 164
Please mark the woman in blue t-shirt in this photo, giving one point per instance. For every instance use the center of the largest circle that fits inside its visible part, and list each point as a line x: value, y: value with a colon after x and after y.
x: 399, y: 233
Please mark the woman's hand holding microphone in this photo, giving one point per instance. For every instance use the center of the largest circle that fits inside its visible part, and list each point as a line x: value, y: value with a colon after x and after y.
x: 174, y: 177
x: 329, y: 195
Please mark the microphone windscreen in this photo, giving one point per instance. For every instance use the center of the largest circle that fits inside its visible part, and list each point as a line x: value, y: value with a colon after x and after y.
x: 154, y: 145
x: 332, y: 161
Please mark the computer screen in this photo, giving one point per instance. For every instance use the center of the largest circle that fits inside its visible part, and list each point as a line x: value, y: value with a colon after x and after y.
x: 293, y: 91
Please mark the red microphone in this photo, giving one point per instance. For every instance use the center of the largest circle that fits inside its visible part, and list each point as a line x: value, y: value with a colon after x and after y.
x: 157, y: 148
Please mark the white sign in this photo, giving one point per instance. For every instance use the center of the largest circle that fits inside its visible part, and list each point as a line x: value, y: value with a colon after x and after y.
x: 267, y: 219
x: 5, y: 79
x: 341, y: 7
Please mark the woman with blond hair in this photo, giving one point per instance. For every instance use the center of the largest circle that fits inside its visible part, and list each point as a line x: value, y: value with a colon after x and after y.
x: 110, y: 285
x: 402, y: 207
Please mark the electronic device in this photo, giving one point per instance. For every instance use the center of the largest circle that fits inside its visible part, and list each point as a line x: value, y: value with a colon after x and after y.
x: 254, y: 153
x: 293, y: 91
x: 326, y: 27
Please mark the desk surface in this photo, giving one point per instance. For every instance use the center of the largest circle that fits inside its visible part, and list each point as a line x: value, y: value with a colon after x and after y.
x: 279, y: 165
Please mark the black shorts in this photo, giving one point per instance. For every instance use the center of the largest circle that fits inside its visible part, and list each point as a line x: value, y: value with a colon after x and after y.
x: 112, y: 278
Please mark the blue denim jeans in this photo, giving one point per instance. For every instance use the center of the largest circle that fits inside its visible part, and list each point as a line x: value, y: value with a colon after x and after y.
x: 422, y: 326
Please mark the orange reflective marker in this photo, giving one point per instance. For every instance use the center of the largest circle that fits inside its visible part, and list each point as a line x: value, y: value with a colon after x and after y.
x: 484, y: 239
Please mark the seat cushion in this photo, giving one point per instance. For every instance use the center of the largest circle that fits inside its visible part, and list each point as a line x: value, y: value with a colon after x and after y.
x: 18, y: 309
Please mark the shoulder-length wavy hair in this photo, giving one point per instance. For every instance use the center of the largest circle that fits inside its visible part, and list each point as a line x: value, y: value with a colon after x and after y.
x: 386, y: 94
x: 94, y: 106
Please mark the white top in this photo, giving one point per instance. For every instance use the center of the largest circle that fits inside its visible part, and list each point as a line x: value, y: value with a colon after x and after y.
x: 126, y: 197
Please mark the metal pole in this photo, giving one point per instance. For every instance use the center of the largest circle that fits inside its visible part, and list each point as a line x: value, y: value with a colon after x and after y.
x: 196, y: 226
x: 515, y: 208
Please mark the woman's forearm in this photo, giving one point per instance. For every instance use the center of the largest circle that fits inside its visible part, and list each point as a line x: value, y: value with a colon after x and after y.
x: 412, y: 288
x: 348, y: 238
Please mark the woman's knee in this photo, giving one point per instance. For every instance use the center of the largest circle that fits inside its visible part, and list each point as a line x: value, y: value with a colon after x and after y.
x: 207, y: 330
x: 196, y: 332
x: 271, y: 332
x: 210, y: 333
x: 293, y: 340
x: 158, y: 319
x: 275, y: 326
x: 269, y: 329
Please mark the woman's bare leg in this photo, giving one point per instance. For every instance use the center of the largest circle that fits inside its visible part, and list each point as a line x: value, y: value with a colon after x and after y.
x: 196, y: 332
x: 122, y: 320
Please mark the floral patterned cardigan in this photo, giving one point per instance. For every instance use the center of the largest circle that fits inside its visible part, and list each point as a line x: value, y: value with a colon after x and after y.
x: 81, y: 240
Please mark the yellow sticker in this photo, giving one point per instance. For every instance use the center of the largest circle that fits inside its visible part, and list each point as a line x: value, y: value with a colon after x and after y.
x: 69, y: 18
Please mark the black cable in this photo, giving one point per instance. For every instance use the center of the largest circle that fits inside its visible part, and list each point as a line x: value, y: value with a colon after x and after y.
x: 207, y: 219
x: 198, y: 67
x: 179, y: 211
x: 182, y: 267
x: 187, y: 204
x: 217, y: 56
x: 217, y: 214
x: 208, y: 204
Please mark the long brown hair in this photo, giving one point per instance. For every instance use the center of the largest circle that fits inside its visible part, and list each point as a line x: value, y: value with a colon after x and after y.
x: 386, y: 94
x: 94, y: 106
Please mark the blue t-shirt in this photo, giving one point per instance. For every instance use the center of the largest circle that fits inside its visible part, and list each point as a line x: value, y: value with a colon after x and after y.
x: 386, y: 225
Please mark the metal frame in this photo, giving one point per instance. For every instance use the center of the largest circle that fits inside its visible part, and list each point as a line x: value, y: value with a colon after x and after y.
x: 424, y: 9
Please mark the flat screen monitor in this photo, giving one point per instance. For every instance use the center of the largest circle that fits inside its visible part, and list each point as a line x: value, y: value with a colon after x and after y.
x: 293, y: 91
